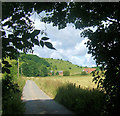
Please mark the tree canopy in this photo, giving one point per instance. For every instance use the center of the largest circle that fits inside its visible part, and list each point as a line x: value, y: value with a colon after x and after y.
x: 33, y: 66
x: 103, y: 43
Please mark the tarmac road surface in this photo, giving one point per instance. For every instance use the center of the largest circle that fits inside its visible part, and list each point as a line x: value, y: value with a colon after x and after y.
x: 37, y: 102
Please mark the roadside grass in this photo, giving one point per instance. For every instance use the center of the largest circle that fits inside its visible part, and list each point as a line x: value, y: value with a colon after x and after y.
x: 12, y: 103
x: 83, y: 101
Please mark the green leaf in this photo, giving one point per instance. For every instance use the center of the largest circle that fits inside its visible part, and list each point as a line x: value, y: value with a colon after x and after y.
x: 36, y: 41
x: 5, y: 70
x: 49, y: 45
x: 41, y: 43
x: 8, y: 65
x: 35, y: 33
x: 45, y: 38
x: 5, y: 62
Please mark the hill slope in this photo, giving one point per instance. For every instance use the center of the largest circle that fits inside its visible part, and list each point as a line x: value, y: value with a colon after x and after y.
x: 61, y: 65
x: 52, y: 64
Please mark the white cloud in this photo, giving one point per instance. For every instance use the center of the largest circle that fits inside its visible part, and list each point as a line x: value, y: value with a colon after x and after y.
x: 42, y: 52
x: 80, y: 48
x: 89, y: 60
x: 68, y: 36
x: 70, y: 46
x: 76, y: 60
x: 55, y: 55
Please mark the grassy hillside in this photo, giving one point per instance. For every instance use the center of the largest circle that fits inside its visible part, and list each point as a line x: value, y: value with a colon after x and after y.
x: 61, y: 65
x: 52, y: 64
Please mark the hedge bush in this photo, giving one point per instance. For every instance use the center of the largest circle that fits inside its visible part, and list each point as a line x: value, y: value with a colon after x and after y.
x: 66, y: 73
x: 57, y: 73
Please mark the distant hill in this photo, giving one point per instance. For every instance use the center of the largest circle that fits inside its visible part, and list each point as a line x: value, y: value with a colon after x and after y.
x: 61, y: 65
x: 52, y: 64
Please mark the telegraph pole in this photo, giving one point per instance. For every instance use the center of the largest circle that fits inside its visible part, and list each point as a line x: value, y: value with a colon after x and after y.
x: 18, y: 67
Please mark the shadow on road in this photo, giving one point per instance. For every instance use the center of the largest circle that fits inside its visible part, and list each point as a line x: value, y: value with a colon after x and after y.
x: 45, y: 107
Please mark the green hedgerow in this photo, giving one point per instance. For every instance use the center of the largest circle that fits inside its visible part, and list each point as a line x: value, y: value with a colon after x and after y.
x: 66, y: 73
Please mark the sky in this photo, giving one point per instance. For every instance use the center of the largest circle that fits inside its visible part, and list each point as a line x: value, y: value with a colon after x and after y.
x: 68, y: 43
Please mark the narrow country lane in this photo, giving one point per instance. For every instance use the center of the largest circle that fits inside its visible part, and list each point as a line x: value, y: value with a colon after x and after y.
x: 37, y: 102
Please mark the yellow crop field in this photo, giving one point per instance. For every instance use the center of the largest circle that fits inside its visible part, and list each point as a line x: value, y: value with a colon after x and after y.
x: 83, y: 81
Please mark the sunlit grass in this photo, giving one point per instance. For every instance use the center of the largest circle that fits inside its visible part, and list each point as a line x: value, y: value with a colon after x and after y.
x: 83, y: 81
